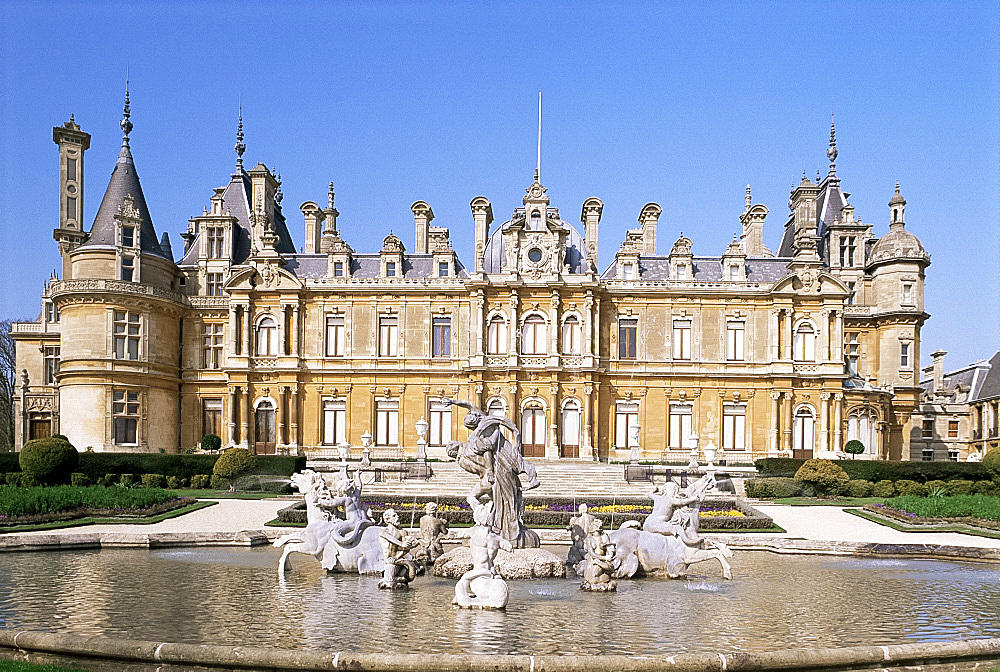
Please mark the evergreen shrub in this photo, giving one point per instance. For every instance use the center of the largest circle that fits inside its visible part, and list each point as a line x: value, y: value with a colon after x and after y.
x: 200, y: 481
x: 211, y: 442
x: 9, y: 462
x: 12, y: 478
x: 49, y: 461
x: 936, y: 488
x: 959, y: 487
x: 127, y: 480
x: 234, y: 463
x: 95, y: 465
x: 828, y: 478
x: 217, y: 482
x: 154, y: 481
x: 174, y: 483
x: 989, y: 488
x: 857, y: 487
x: 991, y: 463
x: 907, y: 487
x: 883, y: 489
x: 854, y: 447
x: 79, y: 480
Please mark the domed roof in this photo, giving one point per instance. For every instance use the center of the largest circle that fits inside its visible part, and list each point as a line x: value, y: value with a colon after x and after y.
x: 897, y: 244
x: 495, y: 258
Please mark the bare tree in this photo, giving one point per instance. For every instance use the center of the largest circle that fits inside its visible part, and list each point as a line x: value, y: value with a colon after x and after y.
x: 8, y: 377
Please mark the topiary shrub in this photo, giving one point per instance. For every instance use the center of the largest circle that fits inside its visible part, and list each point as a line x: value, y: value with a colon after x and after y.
x: 991, y: 463
x: 49, y: 461
x: 757, y: 488
x: 908, y: 487
x: 127, y: 481
x: 154, y: 481
x: 988, y: 488
x: 211, y: 442
x: 79, y: 480
x: 174, y: 483
x: 219, y: 483
x: 60, y: 436
x: 960, y: 487
x: 824, y: 476
x: 200, y: 481
x: 234, y: 463
x: 884, y: 489
x: 937, y: 488
x: 854, y: 447
x: 13, y: 478
x: 860, y: 488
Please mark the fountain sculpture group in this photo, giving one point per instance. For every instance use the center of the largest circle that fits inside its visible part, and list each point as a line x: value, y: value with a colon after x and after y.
x: 667, y: 543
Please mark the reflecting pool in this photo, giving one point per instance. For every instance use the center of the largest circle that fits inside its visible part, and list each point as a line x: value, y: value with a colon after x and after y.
x: 233, y: 596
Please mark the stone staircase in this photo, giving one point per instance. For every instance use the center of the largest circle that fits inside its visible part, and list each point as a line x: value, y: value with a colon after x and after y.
x: 557, y: 478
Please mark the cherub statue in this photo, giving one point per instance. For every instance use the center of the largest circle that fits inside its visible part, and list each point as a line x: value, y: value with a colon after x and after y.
x: 600, y: 559
x: 432, y: 529
x: 482, y: 587
x: 399, y: 567
x: 578, y: 526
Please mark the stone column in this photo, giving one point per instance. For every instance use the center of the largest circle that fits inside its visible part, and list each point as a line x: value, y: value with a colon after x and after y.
x: 786, y: 440
x: 554, y: 329
x: 293, y: 404
x: 596, y: 321
x: 231, y: 403
x: 280, y: 412
x: 552, y: 451
x: 247, y: 332
x: 838, y: 336
x: 245, y: 416
x: 824, y: 421
x: 837, y: 421
x: 480, y: 327
x: 296, y: 328
x: 772, y: 439
x: 787, y: 326
x: 233, y: 346
x: 773, y: 329
x: 588, y: 324
x: 514, y: 325
x: 587, y: 449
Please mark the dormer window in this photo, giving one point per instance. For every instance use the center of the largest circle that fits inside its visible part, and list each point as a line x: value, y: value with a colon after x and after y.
x: 127, y: 268
x: 536, y: 219
x: 682, y: 272
x: 628, y: 271
x: 442, y: 269
x: 216, y: 239
x: 734, y: 273
x: 338, y: 269
x: 128, y: 236
x: 390, y: 269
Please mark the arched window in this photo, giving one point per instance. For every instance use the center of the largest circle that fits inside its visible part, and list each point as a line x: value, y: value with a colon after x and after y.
x: 496, y: 408
x: 267, y: 338
x: 571, y: 429
x: 533, y: 430
x: 496, y: 335
x: 862, y: 425
x: 802, y: 432
x: 571, y: 335
x: 804, y: 344
x: 533, y: 336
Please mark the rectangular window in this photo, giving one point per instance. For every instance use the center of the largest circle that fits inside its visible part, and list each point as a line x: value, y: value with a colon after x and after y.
x: 627, y: 333
x: 904, y: 355
x: 496, y: 336
x: 216, y: 239
x: 125, y: 416
x: 682, y: 272
x: 441, y: 337
x: 211, y: 417
x: 852, y: 351
x: 927, y: 455
x: 51, y: 312
x: 211, y: 346
x: 442, y: 269
x: 390, y: 269
x: 387, y: 422
x: 682, y: 339
x: 847, y: 249
x: 70, y: 208
x: 126, y: 335
x: 213, y: 282
x: 734, y: 426
x: 571, y: 336
x: 128, y: 236
x: 387, y: 336
x: 680, y: 426
x: 335, y: 330
x: 907, y: 294
x: 334, y: 421
x: 128, y: 268
x: 626, y: 415
x: 628, y: 271
x: 734, y: 340
x: 51, y: 364
x: 927, y: 428
x: 734, y: 272
x: 440, y: 423
x: 953, y: 429
x: 850, y: 297
x: 71, y: 169
x: 338, y: 269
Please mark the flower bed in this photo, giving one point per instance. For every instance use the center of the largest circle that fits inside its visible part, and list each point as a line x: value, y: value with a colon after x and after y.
x: 725, y: 514
x: 20, y: 506
x: 975, y: 510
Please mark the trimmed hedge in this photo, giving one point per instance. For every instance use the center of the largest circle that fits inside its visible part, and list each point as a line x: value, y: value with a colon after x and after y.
x: 773, y: 488
x: 50, y: 461
x: 96, y: 465
x: 35, y: 501
x: 878, y: 470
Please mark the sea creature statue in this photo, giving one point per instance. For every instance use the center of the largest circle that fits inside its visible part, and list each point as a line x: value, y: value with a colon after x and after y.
x: 348, y: 544
x: 600, y: 560
x: 399, y: 568
x: 578, y: 526
x: 481, y: 587
x: 498, y: 463
x: 668, y: 541
x: 432, y: 529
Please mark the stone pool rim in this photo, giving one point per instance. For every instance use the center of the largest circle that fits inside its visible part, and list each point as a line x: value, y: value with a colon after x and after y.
x: 251, y: 538
x: 246, y: 657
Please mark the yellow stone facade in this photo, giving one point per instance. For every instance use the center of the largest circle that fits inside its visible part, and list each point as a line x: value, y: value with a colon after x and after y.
x: 755, y: 352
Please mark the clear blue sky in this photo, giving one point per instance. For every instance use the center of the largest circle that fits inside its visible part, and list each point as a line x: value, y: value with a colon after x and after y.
x: 681, y: 104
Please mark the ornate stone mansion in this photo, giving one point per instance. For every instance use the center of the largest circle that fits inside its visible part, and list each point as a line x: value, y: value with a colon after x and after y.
x: 761, y: 353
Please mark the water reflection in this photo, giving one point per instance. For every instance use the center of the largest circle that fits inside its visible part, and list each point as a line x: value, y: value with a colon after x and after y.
x: 233, y: 596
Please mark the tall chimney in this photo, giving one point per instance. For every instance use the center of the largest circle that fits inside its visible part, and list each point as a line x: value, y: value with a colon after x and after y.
x: 938, y: 356
x: 422, y: 216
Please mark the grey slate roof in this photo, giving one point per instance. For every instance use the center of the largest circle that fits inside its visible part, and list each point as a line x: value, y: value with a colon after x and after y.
x: 991, y: 384
x: 981, y: 379
x: 366, y: 266
x: 124, y: 181
x: 495, y: 260
x: 707, y: 269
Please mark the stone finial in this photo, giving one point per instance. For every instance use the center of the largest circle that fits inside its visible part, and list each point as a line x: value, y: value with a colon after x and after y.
x: 831, y: 153
x: 125, y: 123
x: 329, y: 196
x: 747, y: 199
x: 239, y: 146
x: 278, y: 196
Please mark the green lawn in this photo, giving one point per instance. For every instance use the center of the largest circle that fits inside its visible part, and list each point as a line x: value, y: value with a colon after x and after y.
x: 21, y: 666
x: 941, y: 527
x: 78, y: 522
x: 838, y: 501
